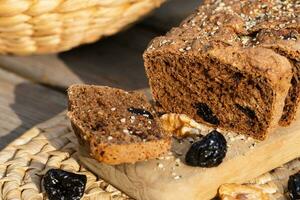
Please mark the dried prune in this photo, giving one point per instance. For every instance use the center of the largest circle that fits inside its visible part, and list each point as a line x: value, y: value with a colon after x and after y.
x: 62, y: 185
x: 207, y: 152
x: 140, y: 111
x: 290, y: 36
x: 294, y: 186
x: 238, y: 76
x: 206, y: 114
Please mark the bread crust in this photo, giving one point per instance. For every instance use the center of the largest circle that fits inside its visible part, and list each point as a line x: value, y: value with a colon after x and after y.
x: 113, y: 154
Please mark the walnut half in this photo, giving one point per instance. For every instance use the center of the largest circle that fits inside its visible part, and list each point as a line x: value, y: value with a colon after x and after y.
x: 181, y: 125
x: 241, y: 192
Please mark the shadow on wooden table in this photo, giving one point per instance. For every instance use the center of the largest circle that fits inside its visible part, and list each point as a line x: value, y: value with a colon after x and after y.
x: 33, y: 104
x: 114, y: 61
x: 117, y: 61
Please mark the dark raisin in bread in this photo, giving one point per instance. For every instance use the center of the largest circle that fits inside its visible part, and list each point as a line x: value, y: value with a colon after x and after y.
x: 117, y: 126
x: 232, y: 64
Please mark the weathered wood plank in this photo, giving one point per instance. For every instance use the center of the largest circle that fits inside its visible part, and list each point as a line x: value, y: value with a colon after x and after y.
x: 115, y: 61
x: 169, y: 178
x: 48, y: 69
x: 24, y: 104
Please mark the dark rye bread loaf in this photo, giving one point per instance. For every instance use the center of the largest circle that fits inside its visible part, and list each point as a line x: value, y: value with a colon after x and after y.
x: 232, y: 64
x: 116, y: 126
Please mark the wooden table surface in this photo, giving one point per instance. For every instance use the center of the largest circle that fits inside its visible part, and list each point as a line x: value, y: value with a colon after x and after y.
x: 32, y: 89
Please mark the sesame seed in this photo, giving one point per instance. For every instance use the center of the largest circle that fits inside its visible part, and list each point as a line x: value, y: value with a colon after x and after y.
x: 264, y: 6
x: 245, y: 40
x: 123, y: 120
x: 181, y: 50
x: 168, y: 157
x: 177, y: 177
x: 110, y: 138
x: 160, y: 165
x: 164, y: 42
x: 177, y: 162
x: 132, y: 119
x: 145, y: 115
x: 113, y: 109
x: 125, y: 131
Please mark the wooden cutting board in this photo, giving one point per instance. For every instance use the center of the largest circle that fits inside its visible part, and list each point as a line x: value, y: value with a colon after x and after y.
x: 168, y: 178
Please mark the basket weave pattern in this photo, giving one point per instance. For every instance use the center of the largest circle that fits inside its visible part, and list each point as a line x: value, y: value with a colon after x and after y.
x: 47, y: 26
x: 52, y: 145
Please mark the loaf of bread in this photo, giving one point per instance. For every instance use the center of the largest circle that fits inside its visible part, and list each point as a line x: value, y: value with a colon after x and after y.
x: 116, y: 126
x: 232, y: 64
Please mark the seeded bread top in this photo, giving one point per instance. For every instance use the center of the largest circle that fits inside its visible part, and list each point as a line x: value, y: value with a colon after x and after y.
x: 226, y: 29
x: 236, y: 23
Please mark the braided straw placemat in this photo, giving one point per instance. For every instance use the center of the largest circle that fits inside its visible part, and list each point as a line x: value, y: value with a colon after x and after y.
x: 49, y: 145
x: 47, y: 26
x: 273, y: 184
x: 52, y: 144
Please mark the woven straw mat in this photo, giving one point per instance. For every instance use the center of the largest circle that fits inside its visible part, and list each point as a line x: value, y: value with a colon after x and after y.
x: 47, y: 26
x: 49, y: 145
x: 52, y: 144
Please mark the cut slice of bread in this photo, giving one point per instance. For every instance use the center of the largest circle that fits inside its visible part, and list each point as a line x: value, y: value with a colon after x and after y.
x: 116, y: 126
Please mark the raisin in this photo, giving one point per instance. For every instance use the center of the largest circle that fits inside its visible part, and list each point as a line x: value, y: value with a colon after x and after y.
x: 206, y: 114
x: 140, y: 111
x: 207, y: 152
x: 158, y: 108
x: 62, y: 185
x: 246, y: 110
x: 290, y: 36
x: 238, y: 76
x: 294, y: 186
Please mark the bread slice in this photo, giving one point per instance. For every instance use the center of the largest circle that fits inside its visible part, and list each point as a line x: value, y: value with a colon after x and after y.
x: 286, y: 43
x: 218, y: 69
x: 116, y: 126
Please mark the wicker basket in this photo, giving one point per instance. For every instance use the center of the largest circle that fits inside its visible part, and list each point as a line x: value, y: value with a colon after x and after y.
x: 48, y: 26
